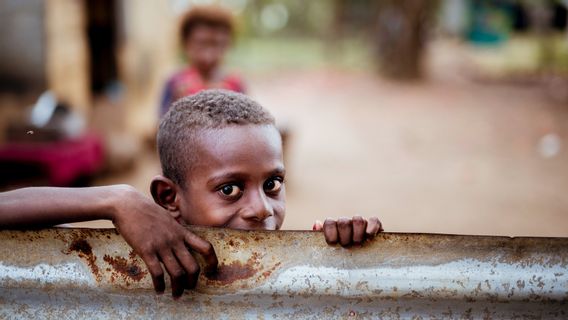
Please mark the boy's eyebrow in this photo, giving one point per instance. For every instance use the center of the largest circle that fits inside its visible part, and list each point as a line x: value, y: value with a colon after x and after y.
x: 279, y: 170
x: 224, y: 177
x: 240, y: 176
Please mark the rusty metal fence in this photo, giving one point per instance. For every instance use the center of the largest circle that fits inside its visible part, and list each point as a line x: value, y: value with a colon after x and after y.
x: 87, y: 273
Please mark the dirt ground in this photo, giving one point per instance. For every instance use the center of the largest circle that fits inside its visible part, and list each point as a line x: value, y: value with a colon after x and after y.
x: 443, y: 156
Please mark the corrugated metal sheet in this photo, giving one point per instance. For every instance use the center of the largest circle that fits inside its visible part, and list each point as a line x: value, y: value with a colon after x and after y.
x: 83, y: 273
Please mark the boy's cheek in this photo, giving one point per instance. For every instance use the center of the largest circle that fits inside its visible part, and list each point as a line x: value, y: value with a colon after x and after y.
x: 208, y: 210
x: 280, y: 214
x: 210, y: 217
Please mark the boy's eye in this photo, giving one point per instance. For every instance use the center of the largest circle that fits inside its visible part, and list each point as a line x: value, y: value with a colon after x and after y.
x: 272, y: 185
x: 230, y: 190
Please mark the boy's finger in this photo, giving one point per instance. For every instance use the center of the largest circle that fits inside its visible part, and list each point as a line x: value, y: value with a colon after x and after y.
x: 330, y: 231
x: 177, y: 275
x: 318, y: 226
x: 156, y: 271
x: 359, y: 229
x: 189, y: 264
x: 345, y: 231
x: 205, y: 249
x: 374, y: 226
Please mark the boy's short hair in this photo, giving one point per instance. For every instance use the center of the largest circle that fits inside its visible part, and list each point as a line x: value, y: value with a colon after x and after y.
x: 209, y: 15
x: 208, y: 109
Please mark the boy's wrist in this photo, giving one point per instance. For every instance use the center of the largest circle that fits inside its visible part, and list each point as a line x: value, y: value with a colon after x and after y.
x: 118, y: 195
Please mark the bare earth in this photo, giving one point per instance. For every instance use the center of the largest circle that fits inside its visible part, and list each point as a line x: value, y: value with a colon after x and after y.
x: 439, y: 156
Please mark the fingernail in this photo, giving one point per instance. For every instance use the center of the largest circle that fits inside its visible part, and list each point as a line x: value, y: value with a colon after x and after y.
x: 316, y: 225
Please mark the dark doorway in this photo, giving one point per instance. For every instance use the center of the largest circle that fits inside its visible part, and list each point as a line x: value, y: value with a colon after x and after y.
x: 102, y: 31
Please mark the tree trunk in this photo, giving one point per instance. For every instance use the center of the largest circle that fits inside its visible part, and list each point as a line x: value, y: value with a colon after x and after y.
x: 400, y: 36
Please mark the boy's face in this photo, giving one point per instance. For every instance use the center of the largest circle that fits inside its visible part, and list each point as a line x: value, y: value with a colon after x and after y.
x: 236, y: 180
x: 206, y: 46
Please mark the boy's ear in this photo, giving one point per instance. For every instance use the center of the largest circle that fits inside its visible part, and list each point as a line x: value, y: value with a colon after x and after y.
x: 164, y: 192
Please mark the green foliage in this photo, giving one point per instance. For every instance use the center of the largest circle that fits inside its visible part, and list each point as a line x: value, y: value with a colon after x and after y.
x: 287, y: 52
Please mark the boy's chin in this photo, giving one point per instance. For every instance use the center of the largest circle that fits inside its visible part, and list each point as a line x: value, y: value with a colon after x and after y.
x: 255, y: 226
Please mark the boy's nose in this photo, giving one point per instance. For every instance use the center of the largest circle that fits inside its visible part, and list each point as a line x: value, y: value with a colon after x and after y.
x: 259, y: 207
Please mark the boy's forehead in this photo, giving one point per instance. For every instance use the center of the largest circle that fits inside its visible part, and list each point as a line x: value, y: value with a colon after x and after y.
x: 238, y: 144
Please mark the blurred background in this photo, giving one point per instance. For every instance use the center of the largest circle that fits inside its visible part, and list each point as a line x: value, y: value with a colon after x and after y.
x: 437, y: 116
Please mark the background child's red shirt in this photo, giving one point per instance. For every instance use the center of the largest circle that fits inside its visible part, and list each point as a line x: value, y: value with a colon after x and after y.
x: 189, y: 81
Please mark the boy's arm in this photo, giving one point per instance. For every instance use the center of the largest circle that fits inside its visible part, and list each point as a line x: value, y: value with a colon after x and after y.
x: 148, y: 228
x: 347, y: 231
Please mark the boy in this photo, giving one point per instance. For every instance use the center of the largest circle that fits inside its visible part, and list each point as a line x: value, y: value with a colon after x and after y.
x: 205, y: 35
x: 221, y: 158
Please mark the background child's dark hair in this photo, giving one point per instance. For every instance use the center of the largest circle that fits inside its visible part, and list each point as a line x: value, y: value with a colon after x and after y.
x: 208, y: 15
x: 209, y: 109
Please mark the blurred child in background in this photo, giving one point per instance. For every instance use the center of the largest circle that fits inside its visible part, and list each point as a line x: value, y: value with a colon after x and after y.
x: 206, y: 33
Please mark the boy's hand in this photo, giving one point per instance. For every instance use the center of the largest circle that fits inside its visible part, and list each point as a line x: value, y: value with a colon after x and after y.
x: 347, y: 231
x: 157, y: 237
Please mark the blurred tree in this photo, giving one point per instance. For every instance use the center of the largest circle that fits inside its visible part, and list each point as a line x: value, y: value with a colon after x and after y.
x: 400, y: 34
x: 547, y: 19
x: 398, y: 31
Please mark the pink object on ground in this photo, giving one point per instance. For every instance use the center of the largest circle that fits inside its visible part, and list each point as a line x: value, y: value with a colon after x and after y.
x: 64, y: 161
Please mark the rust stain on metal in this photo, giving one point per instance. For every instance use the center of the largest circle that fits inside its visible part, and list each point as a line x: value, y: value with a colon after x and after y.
x: 268, y: 273
x: 85, y: 251
x: 125, y: 268
x: 229, y: 273
x: 81, y: 246
x: 236, y: 270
